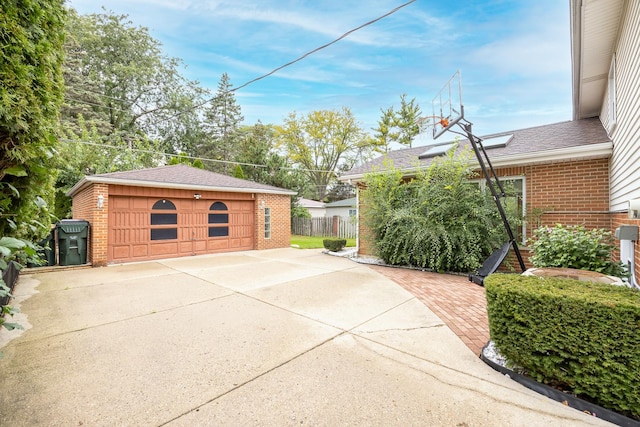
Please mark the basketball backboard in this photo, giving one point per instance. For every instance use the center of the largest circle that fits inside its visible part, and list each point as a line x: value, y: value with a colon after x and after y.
x: 447, y: 106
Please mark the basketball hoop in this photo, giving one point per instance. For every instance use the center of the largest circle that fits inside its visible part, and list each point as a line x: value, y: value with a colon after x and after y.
x: 447, y: 105
x: 429, y: 121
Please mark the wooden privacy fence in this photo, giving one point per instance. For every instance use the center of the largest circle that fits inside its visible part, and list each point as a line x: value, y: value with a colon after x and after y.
x: 336, y: 226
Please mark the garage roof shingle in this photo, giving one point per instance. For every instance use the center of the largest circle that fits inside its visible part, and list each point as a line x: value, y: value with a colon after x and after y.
x: 180, y: 176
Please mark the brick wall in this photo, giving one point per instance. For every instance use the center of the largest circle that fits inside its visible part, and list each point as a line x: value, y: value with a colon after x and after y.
x: 570, y: 193
x: 85, y: 206
x: 280, y: 221
x: 365, y: 239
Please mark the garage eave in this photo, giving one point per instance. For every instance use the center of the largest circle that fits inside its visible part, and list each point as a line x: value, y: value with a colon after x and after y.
x: 87, y: 180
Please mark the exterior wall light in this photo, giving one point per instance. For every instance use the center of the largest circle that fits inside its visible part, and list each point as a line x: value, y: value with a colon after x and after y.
x: 197, y: 196
x: 100, y: 201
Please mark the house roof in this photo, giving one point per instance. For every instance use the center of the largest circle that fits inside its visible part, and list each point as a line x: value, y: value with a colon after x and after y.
x: 179, y: 177
x: 571, y: 140
x: 346, y: 203
x: 308, y: 203
x: 594, y: 31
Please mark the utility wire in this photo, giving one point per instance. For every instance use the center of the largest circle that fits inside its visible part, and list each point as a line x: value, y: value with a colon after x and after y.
x: 275, y: 70
x: 204, y: 159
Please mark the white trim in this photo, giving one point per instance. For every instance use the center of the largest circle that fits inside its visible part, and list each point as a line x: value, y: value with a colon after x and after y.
x: 135, y: 183
x: 581, y: 152
x: 611, y: 97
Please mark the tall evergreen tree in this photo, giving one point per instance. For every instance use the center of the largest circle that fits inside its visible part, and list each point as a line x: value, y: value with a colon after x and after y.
x: 223, y: 118
x: 32, y: 35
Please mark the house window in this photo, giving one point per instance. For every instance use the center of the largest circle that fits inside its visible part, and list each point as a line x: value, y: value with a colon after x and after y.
x: 163, y: 223
x: 513, y: 202
x: 352, y: 212
x: 612, y: 95
x: 218, y: 220
x: 267, y: 223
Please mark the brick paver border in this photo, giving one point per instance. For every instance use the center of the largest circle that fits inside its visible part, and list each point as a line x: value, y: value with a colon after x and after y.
x: 460, y: 304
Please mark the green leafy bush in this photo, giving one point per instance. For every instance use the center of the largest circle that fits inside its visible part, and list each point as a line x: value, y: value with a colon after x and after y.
x: 439, y: 220
x: 581, y: 337
x: 575, y: 247
x: 334, y: 245
x: 10, y: 250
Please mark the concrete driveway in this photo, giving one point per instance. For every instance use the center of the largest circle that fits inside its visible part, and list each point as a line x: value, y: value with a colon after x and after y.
x: 276, y: 337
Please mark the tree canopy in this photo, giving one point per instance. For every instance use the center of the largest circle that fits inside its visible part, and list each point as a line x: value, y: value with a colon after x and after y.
x: 323, y: 141
x: 399, y: 126
x: 30, y: 96
x: 119, y: 80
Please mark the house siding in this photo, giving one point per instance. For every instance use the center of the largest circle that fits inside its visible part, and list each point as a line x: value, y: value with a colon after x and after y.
x: 619, y: 219
x: 625, y: 162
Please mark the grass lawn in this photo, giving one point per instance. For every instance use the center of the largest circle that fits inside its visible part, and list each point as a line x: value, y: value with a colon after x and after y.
x: 313, y: 242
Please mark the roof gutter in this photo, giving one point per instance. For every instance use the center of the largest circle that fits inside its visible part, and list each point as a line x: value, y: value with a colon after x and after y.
x: 84, y: 182
x: 576, y: 13
x: 592, y: 151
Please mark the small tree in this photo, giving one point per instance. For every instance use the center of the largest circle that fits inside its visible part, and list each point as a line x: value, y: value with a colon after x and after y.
x: 400, y: 126
x: 438, y: 220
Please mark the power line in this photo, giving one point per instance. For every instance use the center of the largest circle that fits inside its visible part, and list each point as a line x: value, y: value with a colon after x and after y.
x: 275, y: 70
x: 204, y: 159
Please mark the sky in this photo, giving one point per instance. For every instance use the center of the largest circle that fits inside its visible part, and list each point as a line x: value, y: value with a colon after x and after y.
x: 513, y: 55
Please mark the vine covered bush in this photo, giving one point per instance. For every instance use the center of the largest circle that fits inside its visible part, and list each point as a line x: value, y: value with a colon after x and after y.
x: 440, y: 219
x: 575, y: 247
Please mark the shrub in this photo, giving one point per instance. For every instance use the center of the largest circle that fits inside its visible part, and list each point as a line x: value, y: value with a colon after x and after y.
x: 575, y: 247
x: 334, y: 245
x: 578, y: 336
x: 439, y: 220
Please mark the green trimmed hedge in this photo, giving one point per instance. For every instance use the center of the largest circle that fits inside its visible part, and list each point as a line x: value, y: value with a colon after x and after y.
x: 334, y: 245
x: 577, y: 336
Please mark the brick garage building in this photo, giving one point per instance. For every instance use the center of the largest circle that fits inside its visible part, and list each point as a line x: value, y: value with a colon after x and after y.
x: 179, y: 210
x: 560, y: 173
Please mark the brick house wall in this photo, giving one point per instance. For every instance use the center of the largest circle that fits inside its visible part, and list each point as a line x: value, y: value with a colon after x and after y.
x: 85, y: 206
x: 570, y: 193
x: 280, y: 206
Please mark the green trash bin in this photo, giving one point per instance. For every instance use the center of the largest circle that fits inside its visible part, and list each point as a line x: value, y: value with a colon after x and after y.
x: 72, y: 241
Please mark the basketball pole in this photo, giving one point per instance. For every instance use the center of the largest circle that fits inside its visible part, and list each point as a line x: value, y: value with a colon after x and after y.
x: 477, y: 144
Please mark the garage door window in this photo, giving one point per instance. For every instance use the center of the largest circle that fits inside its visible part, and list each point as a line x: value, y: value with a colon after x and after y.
x: 162, y: 222
x: 218, y: 220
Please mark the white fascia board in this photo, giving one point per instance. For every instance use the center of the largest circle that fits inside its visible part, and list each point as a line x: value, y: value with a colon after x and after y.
x: 103, y: 180
x: 592, y: 151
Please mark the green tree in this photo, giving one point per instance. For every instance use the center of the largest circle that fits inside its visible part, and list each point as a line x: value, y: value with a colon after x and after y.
x: 322, y: 142
x: 184, y: 159
x: 399, y: 126
x: 223, y: 118
x: 86, y: 153
x: 261, y: 162
x: 439, y: 220
x: 32, y: 35
x: 119, y: 80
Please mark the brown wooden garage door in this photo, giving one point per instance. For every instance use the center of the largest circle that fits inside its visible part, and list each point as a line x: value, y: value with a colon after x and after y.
x: 144, y: 228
